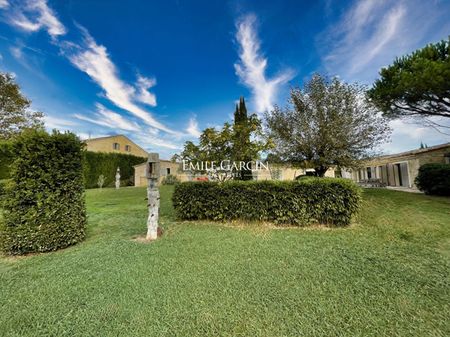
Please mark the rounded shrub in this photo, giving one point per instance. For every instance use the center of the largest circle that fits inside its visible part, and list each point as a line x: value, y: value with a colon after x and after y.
x: 327, y: 201
x: 434, y: 179
x: 44, y: 207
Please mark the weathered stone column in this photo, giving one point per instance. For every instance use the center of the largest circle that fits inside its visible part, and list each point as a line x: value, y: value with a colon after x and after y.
x: 152, y: 173
x: 118, y: 178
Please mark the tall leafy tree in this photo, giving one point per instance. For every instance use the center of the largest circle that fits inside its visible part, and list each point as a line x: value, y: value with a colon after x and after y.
x: 241, y: 141
x: 417, y: 84
x: 15, y: 113
x: 326, y: 123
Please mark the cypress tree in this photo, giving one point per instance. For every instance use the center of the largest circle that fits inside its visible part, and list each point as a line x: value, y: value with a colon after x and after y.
x: 242, y: 138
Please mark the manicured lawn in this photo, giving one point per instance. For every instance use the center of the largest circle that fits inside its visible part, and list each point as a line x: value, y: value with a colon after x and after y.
x: 386, y: 275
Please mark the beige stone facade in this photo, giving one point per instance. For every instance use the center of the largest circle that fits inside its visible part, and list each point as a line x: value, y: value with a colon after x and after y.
x: 400, y: 170
x: 285, y: 172
x: 166, y: 167
x: 278, y: 172
x: 115, y: 144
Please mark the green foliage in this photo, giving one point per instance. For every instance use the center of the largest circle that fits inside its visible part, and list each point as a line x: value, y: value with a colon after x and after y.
x: 2, y: 188
x: 106, y: 164
x: 241, y: 141
x: 243, y: 147
x: 6, y: 158
x: 326, y: 123
x: 327, y: 201
x: 15, y: 114
x: 416, y: 84
x: 170, y: 179
x: 434, y: 179
x: 44, y: 206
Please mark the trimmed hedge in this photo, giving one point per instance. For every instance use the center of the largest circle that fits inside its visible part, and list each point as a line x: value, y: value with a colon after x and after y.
x: 322, y: 200
x: 6, y: 158
x: 44, y: 206
x: 97, y: 163
x: 434, y: 179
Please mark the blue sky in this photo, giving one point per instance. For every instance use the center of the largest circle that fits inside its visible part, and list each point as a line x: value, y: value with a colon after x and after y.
x: 161, y: 71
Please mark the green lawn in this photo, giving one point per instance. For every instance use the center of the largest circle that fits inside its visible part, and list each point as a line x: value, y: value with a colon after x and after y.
x: 386, y: 275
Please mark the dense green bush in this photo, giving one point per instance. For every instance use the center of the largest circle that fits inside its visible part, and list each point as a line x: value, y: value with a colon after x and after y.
x: 434, y: 179
x: 326, y: 201
x: 97, y: 163
x: 170, y: 179
x: 6, y: 158
x: 44, y: 206
x: 2, y: 189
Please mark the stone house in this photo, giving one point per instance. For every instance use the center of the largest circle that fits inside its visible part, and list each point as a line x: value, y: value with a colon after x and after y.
x: 285, y: 172
x: 166, y: 167
x: 276, y: 172
x: 401, y: 169
x: 115, y: 144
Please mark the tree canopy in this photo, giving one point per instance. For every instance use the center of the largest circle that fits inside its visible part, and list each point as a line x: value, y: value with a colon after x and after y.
x: 15, y: 113
x: 417, y: 84
x: 241, y: 141
x: 326, y: 123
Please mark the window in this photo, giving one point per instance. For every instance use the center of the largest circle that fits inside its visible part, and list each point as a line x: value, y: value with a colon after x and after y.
x: 127, y: 148
x: 369, y: 173
x: 168, y: 170
x: 116, y: 146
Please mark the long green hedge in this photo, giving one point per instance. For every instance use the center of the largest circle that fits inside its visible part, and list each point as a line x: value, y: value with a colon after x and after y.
x: 97, y: 163
x: 43, y: 203
x: 320, y: 200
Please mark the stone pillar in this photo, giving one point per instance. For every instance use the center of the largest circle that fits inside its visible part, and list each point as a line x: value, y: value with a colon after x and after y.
x: 118, y: 178
x: 152, y: 173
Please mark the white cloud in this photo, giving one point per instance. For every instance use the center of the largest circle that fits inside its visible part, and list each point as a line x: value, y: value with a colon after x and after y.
x: 143, y: 95
x: 86, y: 135
x: 17, y: 53
x: 371, y: 33
x: 52, y: 122
x: 25, y: 61
x: 146, y: 137
x: 152, y: 142
x: 93, y: 59
x: 34, y: 15
x: 109, y: 119
x: 192, y: 128
x: 4, y: 4
x: 408, y: 134
x: 252, y: 66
